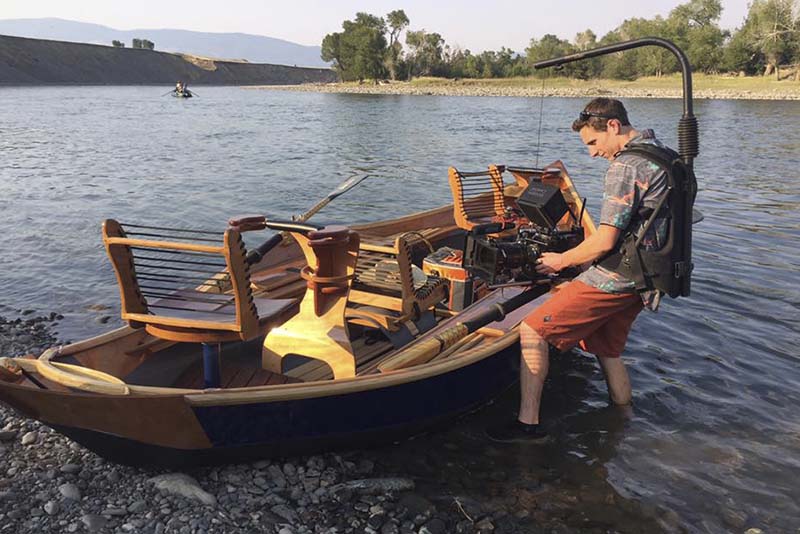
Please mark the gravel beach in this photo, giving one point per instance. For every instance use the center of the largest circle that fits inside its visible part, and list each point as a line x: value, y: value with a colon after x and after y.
x: 460, y: 88
x: 50, y: 484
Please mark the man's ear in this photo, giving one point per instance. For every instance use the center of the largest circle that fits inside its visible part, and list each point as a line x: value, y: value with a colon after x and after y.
x: 614, y: 126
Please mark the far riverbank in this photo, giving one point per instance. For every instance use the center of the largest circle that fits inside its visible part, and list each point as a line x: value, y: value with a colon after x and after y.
x: 704, y: 87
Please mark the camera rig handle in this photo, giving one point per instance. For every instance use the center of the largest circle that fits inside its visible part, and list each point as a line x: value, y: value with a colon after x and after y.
x: 688, y: 138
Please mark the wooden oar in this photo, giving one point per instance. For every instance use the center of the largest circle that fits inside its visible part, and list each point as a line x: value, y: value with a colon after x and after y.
x: 255, y: 255
x: 427, y: 349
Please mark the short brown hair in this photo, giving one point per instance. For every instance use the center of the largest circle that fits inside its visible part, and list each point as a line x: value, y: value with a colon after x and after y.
x: 597, y: 113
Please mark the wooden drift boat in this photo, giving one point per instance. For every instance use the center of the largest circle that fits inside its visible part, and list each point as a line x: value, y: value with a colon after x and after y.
x: 337, y: 337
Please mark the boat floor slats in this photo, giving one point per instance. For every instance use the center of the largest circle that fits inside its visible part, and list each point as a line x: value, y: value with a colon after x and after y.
x: 233, y: 376
x: 314, y: 370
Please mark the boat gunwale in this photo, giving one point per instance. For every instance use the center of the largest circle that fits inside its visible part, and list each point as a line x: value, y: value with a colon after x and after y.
x: 300, y: 390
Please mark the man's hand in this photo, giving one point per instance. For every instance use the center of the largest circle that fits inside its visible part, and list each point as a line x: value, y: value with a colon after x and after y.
x: 549, y: 263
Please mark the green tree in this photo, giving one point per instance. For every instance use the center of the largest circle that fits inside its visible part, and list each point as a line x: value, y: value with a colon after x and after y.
x: 148, y: 45
x: 772, y: 32
x: 589, y: 68
x: 117, y: 44
x: 694, y: 27
x: 397, y: 21
x: 427, y: 51
x: 550, y: 46
x: 358, y: 52
x: 136, y: 43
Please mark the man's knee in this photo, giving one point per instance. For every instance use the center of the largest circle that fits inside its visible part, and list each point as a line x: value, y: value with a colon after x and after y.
x: 530, y: 339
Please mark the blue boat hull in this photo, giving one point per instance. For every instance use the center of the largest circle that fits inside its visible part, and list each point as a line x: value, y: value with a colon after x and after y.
x: 244, y: 432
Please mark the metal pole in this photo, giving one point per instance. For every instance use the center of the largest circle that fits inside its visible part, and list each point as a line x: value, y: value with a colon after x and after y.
x: 688, y: 139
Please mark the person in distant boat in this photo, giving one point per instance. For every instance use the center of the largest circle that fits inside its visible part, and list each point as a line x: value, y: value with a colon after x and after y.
x: 597, y: 309
x: 179, y: 87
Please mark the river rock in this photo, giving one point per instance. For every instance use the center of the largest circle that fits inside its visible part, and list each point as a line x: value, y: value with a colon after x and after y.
x: 51, y: 507
x: 7, y: 435
x: 70, y: 491
x: 30, y: 438
x: 375, y: 486
x: 183, y: 485
x: 484, y: 525
x: 735, y: 519
x: 276, y: 475
x: 70, y: 469
x: 286, y: 513
x: 434, y: 526
x: 94, y: 522
x: 137, y: 506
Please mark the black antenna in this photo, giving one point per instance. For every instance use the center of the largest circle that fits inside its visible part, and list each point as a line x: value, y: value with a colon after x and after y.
x: 688, y: 141
x: 539, y: 135
x: 583, y: 208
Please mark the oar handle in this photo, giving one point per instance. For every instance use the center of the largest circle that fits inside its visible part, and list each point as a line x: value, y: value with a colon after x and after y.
x: 248, y: 223
x: 254, y: 256
x: 426, y: 349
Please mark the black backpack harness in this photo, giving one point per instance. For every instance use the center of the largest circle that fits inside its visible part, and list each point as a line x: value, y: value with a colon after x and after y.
x: 669, y: 268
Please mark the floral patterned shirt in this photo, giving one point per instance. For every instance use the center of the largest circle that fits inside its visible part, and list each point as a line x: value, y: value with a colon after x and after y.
x: 631, y: 182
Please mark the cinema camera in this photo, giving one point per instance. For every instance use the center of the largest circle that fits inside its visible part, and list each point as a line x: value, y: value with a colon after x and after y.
x: 500, y: 260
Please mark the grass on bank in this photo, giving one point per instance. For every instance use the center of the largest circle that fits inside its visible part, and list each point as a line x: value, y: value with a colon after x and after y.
x: 673, y: 81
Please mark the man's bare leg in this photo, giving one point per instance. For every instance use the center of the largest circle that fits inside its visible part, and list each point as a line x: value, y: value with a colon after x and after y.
x: 533, y: 368
x: 619, y: 385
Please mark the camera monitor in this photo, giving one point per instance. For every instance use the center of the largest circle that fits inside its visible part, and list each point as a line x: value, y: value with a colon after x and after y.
x: 543, y: 204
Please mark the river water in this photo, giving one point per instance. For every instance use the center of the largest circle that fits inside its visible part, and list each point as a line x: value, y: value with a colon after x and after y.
x: 712, y: 443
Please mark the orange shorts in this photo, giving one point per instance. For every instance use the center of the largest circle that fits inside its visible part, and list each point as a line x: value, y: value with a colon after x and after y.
x: 581, y: 314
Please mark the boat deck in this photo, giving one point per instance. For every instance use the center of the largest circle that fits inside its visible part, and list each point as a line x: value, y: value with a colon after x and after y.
x: 233, y: 376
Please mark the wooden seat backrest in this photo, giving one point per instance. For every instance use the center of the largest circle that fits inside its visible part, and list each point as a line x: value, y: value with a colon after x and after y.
x: 182, y: 278
x: 387, y: 270
x: 477, y: 196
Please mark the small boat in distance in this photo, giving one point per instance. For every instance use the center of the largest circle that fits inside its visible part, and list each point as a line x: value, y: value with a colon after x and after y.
x: 181, y: 90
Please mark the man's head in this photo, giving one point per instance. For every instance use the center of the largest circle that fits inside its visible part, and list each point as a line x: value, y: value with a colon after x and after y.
x: 604, y: 127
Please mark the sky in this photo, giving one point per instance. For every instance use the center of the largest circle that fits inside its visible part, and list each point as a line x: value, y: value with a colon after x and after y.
x: 469, y: 24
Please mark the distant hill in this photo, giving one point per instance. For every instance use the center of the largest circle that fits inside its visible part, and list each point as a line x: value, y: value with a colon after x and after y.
x: 237, y: 46
x: 25, y: 61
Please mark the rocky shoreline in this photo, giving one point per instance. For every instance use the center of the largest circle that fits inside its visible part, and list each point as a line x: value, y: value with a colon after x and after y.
x: 50, y: 484
x: 459, y: 88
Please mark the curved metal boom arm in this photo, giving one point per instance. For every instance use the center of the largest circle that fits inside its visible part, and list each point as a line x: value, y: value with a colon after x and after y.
x: 688, y: 141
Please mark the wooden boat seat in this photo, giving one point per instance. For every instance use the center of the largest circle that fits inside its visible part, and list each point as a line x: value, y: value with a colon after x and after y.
x: 384, y: 279
x: 189, y: 286
x: 478, y: 197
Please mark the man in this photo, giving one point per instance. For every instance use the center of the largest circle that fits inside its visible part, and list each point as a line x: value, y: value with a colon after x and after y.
x: 597, y: 309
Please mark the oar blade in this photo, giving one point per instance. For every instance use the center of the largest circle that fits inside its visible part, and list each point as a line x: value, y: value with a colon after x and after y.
x: 347, y: 185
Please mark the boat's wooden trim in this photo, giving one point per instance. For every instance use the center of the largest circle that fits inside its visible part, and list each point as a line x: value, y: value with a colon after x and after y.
x: 436, y: 217
x: 189, y: 247
x: 102, y: 339
x: 76, y: 376
x: 182, y: 323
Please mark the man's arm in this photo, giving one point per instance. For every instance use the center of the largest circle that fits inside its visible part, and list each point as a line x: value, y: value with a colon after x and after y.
x: 593, y: 247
